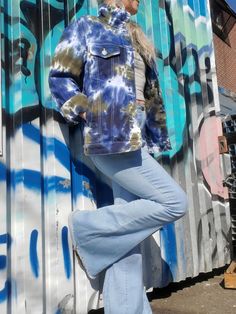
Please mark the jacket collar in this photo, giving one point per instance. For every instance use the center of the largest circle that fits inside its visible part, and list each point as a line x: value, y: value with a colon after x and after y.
x: 113, y: 15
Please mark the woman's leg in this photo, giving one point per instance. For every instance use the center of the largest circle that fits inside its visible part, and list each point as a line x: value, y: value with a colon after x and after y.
x: 124, y: 279
x: 104, y: 236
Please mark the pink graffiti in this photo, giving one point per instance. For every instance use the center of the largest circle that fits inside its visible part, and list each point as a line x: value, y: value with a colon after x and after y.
x: 209, y: 156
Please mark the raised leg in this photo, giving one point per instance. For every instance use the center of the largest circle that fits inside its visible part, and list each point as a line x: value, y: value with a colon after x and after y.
x: 104, y: 236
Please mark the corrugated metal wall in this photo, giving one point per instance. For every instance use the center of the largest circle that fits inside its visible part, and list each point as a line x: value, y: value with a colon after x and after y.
x: 41, y: 181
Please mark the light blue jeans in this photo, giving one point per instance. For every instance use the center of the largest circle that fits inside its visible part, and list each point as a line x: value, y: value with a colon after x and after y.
x: 146, y: 198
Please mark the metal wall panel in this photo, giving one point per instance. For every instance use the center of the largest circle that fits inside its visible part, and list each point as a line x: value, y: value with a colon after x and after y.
x: 0, y: 93
x: 43, y: 174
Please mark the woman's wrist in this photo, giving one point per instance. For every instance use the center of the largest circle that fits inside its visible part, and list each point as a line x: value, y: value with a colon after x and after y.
x: 140, y: 101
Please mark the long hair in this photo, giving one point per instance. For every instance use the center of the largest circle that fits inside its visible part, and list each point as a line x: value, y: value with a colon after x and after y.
x: 140, y: 41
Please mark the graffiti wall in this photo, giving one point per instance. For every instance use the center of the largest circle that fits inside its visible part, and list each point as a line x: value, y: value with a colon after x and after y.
x: 44, y: 175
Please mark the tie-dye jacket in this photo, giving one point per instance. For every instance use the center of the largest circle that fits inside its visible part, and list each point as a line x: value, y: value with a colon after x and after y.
x: 93, y: 72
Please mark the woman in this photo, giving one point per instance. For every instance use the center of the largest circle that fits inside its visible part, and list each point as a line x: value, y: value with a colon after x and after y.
x: 104, y: 75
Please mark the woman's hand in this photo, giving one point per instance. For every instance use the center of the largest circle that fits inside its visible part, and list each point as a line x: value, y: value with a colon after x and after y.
x: 140, y: 102
x: 83, y: 115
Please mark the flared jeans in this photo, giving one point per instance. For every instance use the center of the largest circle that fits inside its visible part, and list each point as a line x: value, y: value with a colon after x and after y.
x: 146, y: 198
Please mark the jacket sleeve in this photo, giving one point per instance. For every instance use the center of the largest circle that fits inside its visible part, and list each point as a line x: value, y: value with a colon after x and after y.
x: 65, y: 77
x: 156, y: 124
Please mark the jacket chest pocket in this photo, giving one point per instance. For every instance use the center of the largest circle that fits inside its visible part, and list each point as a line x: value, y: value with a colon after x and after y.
x: 104, y: 58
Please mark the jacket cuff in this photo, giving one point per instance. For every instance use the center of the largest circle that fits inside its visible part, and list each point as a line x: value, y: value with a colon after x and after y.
x: 74, y: 106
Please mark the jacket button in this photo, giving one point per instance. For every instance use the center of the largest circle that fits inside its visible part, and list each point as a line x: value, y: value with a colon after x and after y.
x: 104, y: 52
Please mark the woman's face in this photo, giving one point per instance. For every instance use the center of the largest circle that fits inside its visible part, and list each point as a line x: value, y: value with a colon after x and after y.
x: 131, y: 6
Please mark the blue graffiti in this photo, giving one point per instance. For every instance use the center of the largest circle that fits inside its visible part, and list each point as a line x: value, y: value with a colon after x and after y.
x: 33, y: 253
x: 5, y: 292
x: 32, y: 181
x: 2, y: 172
x: 3, y: 261
x: 59, y: 149
x: 6, y: 239
x: 66, y: 251
x: 168, y: 243
x: 198, y: 10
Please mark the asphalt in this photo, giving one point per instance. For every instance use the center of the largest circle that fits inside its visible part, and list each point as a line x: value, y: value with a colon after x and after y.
x: 204, y: 294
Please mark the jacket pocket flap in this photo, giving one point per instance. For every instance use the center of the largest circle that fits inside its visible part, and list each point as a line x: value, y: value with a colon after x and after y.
x: 104, y: 51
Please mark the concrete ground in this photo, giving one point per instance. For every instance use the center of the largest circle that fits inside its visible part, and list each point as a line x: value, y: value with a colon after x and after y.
x: 204, y: 294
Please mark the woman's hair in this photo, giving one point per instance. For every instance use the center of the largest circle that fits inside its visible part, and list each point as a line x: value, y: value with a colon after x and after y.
x: 140, y: 41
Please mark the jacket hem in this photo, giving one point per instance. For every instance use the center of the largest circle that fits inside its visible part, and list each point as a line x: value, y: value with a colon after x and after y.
x: 111, y: 148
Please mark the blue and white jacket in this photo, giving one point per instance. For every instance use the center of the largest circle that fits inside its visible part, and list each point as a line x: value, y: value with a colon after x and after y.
x: 93, y: 72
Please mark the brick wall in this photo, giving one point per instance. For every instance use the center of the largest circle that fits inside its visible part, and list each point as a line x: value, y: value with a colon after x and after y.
x: 226, y: 61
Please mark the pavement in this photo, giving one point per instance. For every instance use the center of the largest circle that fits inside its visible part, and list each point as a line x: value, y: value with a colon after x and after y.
x: 204, y: 294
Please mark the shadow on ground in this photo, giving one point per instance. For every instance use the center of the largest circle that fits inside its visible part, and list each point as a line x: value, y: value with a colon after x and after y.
x: 202, y: 294
x: 159, y: 293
